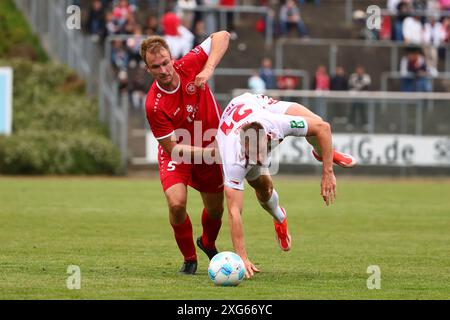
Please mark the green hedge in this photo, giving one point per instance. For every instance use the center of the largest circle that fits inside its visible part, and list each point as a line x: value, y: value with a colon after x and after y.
x: 55, y: 127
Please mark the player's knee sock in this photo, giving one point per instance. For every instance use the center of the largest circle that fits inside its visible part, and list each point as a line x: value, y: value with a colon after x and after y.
x: 211, y: 229
x: 184, y: 239
x: 273, y: 207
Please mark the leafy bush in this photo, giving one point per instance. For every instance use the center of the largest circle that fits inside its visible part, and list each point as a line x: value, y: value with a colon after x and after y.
x: 56, y: 129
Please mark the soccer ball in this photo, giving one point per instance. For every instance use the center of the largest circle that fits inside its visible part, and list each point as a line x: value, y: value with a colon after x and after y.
x: 226, y: 269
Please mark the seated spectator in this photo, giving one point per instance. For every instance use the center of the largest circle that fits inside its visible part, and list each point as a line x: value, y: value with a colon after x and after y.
x: 121, y: 12
x: 256, y: 84
x: 321, y: 79
x: 151, y: 26
x: 359, y: 81
x: 290, y: 18
x: 96, y: 19
x: 138, y: 85
x: 414, y: 72
x: 134, y: 44
x: 112, y: 26
x: 339, y: 81
x: 267, y: 74
x: 119, y: 55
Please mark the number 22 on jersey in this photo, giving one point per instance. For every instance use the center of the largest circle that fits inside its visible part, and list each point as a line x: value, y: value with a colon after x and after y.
x: 237, y: 115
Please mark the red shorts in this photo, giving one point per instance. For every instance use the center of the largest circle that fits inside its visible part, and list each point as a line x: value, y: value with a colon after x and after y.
x: 202, y: 177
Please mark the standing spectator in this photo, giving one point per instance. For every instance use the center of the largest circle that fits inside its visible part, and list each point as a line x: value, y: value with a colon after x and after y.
x: 267, y: 74
x: 413, y: 31
x: 178, y: 37
x: 339, y: 81
x: 434, y: 36
x: 403, y: 10
x: 290, y: 18
x: 200, y: 34
x: 321, y: 79
x: 256, y: 84
x: 96, y: 20
x: 359, y: 81
x: 413, y: 69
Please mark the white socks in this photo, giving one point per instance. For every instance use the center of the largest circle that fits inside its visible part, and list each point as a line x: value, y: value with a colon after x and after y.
x: 273, y: 208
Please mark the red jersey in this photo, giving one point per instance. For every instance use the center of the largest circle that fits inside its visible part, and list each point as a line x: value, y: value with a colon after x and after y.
x: 185, y: 106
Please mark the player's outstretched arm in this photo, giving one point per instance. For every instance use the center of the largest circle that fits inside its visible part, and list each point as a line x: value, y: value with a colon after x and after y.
x: 219, y: 45
x: 235, y: 200
x: 322, y: 131
x: 171, y: 147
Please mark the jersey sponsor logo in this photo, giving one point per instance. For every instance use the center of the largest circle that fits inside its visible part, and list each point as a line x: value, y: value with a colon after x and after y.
x: 189, y: 108
x: 297, y: 124
x: 191, y: 88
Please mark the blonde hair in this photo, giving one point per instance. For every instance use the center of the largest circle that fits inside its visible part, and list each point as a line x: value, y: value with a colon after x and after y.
x: 153, y: 44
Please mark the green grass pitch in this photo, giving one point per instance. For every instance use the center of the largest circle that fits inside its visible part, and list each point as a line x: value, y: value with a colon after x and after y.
x: 117, y: 232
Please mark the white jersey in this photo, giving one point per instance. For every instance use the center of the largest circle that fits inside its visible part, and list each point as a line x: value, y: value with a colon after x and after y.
x: 248, y: 108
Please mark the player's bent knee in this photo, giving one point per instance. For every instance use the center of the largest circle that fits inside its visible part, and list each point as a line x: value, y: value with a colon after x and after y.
x: 177, y: 210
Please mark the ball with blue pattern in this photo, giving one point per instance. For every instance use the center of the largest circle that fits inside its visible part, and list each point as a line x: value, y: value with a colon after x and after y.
x: 226, y: 269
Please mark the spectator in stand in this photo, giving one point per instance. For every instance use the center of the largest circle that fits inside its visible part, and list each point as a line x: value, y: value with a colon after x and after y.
x: 119, y: 55
x: 413, y: 31
x: 321, y: 80
x: 290, y: 18
x: 287, y: 82
x: 359, y: 81
x: 256, y: 84
x: 402, y: 9
x: 121, y: 12
x: 178, y: 37
x: 152, y: 25
x: 434, y: 36
x: 267, y: 74
x: 339, y: 81
x: 112, y: 26
x: 414, y: 72
x: 138, y: 85
x: 230, y: 17
x: 134, y: 44
x: 96, y: 20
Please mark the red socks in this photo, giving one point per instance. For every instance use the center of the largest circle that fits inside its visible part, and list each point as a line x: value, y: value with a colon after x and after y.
x: 183, y: 236
x: 211, y: 229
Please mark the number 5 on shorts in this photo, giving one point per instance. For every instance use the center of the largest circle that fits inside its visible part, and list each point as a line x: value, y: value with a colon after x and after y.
x: 171, y: 165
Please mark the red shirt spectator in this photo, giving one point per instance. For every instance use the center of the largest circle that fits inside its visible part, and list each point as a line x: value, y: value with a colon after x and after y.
x: 228, y: 3
x: 170, y: 23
